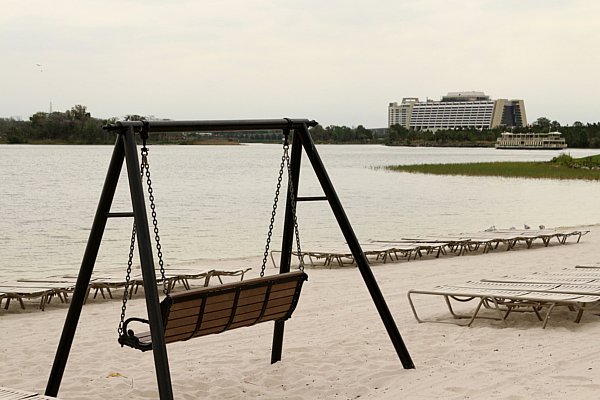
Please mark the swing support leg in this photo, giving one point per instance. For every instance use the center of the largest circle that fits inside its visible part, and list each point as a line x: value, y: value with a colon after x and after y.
x: 125, y: 148
x: 287, y: 239
x: 86, y: 269
x: 159, y: 348
x: 304, y: 137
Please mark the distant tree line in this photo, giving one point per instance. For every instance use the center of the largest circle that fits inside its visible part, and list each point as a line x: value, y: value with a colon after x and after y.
x: 341, y: 134
x: 263, y: 136
x: 73, y: 126
x: 577, y: 135
x: 400, y: 136
x: 330, y: 134
x: 77, y: 126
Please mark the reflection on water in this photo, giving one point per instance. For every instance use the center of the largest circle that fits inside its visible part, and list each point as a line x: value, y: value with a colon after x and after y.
x: 215, y: 201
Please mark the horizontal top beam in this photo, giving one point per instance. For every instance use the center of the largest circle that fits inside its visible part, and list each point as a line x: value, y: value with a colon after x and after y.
x: 211, y: 126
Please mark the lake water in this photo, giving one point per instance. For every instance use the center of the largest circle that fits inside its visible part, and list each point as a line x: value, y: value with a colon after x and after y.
x: 214, y: 202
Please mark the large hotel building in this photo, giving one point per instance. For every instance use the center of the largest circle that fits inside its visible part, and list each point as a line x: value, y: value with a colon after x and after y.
x: 457, y: 110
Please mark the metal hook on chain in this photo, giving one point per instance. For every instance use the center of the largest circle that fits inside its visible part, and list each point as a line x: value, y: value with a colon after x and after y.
x: 144, y: 134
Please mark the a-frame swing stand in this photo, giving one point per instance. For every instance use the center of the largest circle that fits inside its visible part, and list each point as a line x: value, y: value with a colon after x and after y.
x: 126, y: 150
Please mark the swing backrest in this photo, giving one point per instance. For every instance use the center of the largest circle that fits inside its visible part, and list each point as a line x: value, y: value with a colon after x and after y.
x: 216, y: 309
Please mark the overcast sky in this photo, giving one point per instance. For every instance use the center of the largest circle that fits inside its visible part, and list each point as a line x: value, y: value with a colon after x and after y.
x: 339, y: 62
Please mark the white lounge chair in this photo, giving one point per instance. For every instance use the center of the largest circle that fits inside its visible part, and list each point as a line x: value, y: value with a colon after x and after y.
x: 16, y: 394
x: 504, y: 301
x: 18, y: 291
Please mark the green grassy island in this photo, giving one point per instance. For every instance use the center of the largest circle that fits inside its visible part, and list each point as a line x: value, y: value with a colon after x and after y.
x: 561, y: 167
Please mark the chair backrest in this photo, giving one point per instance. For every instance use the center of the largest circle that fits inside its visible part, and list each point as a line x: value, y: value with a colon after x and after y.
x: 216, y: 309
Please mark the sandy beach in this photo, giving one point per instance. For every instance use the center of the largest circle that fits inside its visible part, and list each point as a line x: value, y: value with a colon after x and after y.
x: 335, y: 344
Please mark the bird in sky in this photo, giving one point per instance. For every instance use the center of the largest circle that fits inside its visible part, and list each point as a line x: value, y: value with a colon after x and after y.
x: 40, y: 66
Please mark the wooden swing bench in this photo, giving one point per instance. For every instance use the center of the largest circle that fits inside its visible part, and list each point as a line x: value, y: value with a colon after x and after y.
x: 210, y: 310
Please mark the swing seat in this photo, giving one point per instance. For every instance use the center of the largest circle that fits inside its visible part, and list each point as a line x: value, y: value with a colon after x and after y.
x: 211, y: 310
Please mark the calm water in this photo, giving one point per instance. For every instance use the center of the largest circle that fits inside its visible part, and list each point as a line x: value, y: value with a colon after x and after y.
x: 215, y: 201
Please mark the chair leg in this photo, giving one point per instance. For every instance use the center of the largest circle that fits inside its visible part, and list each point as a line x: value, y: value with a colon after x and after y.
x: 497, y: 307
x: 579, y: 315
x: 536, y: 310
x: 548, y: 315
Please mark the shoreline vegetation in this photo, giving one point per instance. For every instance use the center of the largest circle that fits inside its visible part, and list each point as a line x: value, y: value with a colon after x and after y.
x: 561, y: 167
x: 77, y: 126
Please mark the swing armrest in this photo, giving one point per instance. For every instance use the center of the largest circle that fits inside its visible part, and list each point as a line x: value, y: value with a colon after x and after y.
x: 128, y: 337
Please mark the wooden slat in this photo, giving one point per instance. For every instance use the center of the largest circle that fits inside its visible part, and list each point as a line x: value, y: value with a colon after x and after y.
x: 275, y: 310
x: 260, y: 291
x: 280, y: 301
x: 184, y: 313
x: 249, y: 308
x: 186, y: 304
x: 285, y: 285
x: 272, y: 317
x: 217, y: 315
x: 246, y: 300
x: 175, y: 323
x: 282, y: 293
x: 181, y: 331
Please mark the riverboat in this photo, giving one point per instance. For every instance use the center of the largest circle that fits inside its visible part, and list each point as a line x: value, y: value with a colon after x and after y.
x: 531, y: 141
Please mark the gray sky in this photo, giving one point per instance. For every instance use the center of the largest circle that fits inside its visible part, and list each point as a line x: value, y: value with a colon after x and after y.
x: 339, y: 62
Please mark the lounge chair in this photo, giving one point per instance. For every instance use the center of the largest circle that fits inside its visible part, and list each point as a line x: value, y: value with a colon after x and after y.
x: 455, y: 244
x: 411, y: 249
x: 504, y: 300
x: 565, y: 280
x: 321, y: 258
x: 384, y: 251
x: 174, y: 276
x: 15, y: 394
x: 16, y: 290
x: 220, y: 273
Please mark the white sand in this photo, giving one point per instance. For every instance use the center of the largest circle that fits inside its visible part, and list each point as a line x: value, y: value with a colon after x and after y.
x: 335, y: 345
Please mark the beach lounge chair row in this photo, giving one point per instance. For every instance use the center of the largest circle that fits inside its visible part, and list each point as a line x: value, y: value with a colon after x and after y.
x: 19, y: 290
x: 375, y: 252
x: 15, y: 394
x: 539, y: 293
x: 173, y: 277
x: 47, y: 288
x: 411, y: 248
x: 491, y: 240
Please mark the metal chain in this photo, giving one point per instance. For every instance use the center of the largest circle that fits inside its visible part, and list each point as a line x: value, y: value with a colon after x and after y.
x: 144, y: 166
x: 161, y: 264
x: 293, y: 206
x: 127, y: 281
x: 130, y: 259
x: 274, y: 212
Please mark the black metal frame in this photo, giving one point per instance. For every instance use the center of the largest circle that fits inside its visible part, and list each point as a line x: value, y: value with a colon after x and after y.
x: 126, y: 149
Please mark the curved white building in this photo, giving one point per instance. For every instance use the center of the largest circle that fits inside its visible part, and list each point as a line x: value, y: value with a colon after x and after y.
x: 457, y: 110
